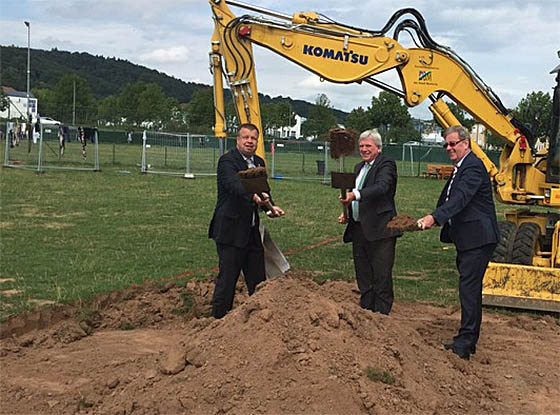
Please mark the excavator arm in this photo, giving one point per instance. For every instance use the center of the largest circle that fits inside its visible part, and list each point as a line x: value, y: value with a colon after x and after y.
x: 343, y: 54
x: 525, y: 268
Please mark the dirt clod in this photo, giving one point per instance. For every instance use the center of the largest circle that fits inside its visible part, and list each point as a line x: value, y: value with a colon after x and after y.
x: 403, y: 223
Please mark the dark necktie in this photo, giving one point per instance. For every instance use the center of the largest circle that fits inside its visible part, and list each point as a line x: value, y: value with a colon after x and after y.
x: 455, y: 169
x: 251, y: 165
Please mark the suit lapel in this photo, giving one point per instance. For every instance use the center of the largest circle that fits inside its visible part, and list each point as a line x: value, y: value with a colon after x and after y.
x: 241, y: 163
x: 373, y: 169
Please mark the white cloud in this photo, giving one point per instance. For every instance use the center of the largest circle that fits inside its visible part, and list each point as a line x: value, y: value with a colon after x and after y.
x: 167, y: 55
x: 511, y: 44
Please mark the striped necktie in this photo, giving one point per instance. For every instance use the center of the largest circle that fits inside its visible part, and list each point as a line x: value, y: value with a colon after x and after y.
x: 455, y: 169
x: 355, y: 203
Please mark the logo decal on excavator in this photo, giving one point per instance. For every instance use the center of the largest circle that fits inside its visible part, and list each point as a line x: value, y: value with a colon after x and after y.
x: 424, y: 75
x: 325, y: 53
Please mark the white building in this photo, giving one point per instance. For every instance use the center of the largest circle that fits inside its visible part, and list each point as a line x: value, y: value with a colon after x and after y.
x: 478, y: 134
x: 290, y: 133
x: 17, y: 107
x: 432, y: 139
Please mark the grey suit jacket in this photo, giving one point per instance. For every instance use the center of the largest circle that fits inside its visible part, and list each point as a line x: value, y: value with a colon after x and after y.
x: 377, y: 203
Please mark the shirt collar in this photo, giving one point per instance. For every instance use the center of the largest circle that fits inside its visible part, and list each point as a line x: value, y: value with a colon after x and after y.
x: 461, y: 161
x: 247, y: 158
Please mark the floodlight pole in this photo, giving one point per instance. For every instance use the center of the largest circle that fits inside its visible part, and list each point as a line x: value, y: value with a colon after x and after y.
x: 29, y: 132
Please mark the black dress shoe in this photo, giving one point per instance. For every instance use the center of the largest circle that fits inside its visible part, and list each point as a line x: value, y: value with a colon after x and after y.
x: 462, y: 353
x: 449, y: 346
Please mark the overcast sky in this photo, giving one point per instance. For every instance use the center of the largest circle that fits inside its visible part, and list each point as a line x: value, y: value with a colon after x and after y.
x: 511, y: 44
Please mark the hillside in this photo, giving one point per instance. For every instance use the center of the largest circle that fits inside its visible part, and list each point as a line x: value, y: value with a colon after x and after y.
x: 105, y: 76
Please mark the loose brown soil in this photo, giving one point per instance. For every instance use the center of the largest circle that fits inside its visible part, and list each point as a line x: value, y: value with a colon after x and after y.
x: 403, y: 223
x: 293, y: 347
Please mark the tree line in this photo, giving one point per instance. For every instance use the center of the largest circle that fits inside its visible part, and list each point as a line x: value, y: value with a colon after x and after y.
x: 84, y: 89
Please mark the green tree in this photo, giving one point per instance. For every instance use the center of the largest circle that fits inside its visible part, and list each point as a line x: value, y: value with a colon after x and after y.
x: 46, y: 102
x: 389, y: 114
x: 85, y: 106
x: 4, y: 101
x: 535, y: 111
x: 389, y: 111
x: 108, y: 110
x: 358, y: 120
x: 402, y: 134
x: 274, y: 116
x: 463, y: 116
x: 320, y: 119
x: 178, y: 118
x: 201, y: 111
x: 268, y: 117
x: 153, y: 105
x: 129, y: 100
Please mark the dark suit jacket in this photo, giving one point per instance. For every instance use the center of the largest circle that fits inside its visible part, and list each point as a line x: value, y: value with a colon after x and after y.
x: 470, y: 208
x: 377, y: 202
x: 231, y: 222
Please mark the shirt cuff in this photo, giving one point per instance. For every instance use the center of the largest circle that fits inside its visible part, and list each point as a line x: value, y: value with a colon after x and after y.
x: 357, y: 194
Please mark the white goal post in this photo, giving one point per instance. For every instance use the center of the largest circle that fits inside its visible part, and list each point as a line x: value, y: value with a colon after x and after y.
x: 52, y: 147
x: 179, y: 154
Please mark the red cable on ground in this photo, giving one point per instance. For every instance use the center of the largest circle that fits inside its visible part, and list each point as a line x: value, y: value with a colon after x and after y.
x: 286, y: 253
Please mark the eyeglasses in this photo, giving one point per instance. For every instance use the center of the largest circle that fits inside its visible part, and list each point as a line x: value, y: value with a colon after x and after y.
x: 452, y: 143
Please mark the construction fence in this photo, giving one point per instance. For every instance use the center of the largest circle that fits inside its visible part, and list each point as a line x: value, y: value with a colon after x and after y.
x: 190, y: 155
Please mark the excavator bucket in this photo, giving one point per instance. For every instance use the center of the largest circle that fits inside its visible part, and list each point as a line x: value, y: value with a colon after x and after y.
x: 522, y: 286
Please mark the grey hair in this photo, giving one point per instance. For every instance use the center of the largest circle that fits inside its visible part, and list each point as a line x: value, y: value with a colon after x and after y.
x: 373, y: 135
x: 461, y: 131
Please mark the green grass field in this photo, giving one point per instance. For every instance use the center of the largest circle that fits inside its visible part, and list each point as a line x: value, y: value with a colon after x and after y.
x: 68, y: 235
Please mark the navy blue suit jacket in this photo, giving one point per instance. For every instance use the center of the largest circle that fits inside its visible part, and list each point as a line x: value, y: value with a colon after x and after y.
x: 470, y: 207
x: 231, y: 222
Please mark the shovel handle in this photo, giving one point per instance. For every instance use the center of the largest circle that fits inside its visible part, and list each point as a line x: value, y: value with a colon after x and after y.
x: 344, y: 207
x: 268, y: 203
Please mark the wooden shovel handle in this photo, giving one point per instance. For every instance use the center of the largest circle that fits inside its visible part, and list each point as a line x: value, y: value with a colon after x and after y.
x: 344, y: 207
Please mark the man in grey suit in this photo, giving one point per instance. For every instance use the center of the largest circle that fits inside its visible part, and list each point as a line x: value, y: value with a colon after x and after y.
x: 466, y: 211
x: 371, y: 205
x: 235, y: 223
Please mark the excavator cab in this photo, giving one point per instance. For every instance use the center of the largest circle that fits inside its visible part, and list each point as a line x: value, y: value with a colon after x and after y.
x: 553, y: 160
x: 524, y: 272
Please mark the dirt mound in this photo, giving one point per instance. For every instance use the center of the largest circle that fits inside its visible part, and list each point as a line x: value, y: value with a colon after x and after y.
x: 293, y: 347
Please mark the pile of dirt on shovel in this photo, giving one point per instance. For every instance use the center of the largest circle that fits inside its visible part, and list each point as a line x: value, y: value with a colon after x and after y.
x: 293, y: 347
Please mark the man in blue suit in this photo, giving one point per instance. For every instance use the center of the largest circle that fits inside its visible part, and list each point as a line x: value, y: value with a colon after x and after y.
x: 466, y: 211
x: 235, y: 223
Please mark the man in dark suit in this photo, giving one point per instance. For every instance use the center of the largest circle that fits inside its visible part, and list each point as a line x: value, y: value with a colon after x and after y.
x: 235, y: 223
x: 371, y: 205
x: 466, y: 211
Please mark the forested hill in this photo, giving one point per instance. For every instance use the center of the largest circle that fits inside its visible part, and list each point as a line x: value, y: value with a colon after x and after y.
x: 105, y: 76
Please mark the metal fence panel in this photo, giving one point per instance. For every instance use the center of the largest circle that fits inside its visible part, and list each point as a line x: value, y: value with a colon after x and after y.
x: 45, y: 150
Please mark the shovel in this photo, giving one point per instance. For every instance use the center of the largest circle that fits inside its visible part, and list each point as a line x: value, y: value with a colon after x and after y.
x: 255, y: 181
x: 343, y: 181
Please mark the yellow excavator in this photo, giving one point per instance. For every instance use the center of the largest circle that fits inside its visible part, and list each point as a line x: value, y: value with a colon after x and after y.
x: 525, y: 270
